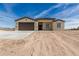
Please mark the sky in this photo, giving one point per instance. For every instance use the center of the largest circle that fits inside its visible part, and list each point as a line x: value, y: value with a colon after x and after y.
x: 69, y: 12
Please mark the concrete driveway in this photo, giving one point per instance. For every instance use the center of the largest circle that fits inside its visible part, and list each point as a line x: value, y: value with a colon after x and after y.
x: 14, y: 34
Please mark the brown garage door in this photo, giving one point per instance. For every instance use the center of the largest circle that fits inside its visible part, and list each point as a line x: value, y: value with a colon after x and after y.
x: 26, y: 26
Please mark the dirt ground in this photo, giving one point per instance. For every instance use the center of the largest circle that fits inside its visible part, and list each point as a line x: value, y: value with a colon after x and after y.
x: 42, y: 43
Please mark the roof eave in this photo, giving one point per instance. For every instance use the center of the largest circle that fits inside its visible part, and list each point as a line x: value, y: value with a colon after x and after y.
x: 23, y: 18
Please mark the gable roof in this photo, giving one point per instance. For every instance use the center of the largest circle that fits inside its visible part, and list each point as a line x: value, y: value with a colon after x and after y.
x: 45, y: 19
x: 59, y: 20
x: 23, y: 18
x: 53, y: 19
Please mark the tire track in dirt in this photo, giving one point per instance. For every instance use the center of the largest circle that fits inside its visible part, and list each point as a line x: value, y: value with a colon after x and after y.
x: 72, y: 40
x: 42, y: 43
x: 61, y: 47
x: 70, y: 46
x: 71, y: 35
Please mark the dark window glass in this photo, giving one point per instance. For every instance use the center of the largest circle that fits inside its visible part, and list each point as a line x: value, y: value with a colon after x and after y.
x: 47, y: 25
x: 59, y: 25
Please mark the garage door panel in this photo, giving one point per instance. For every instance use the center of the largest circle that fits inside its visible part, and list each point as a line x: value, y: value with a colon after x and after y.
x: 26, y: 26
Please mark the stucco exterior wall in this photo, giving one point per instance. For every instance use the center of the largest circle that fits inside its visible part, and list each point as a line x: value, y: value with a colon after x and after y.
x: 36, y: 26
x: 16, y: 26
x: 55, y: 25
x: 25, y: 20
x: 44, y: 20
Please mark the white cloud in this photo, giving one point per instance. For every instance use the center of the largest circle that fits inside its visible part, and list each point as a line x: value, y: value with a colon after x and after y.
x: 73, y: 21
x: 7, y: 19
x: 68, y: 12
x: 63, y: 13
x: 70, y: 25
x: 48, y: 10
x: 8, y: 6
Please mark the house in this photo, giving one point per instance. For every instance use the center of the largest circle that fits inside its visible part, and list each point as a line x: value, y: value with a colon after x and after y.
x: 26, y: 23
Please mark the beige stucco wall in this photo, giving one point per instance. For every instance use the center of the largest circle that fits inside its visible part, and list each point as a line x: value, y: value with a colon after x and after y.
x: 16, y: 26
x: 36, y: 26
x: 25, y: 20
x: 44, y: 20
x: 55, y: 25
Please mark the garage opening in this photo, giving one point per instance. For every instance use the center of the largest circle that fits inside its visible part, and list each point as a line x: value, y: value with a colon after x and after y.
x: 26, y: 25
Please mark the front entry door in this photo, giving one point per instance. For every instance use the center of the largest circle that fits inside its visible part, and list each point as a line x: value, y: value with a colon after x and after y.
x: 40, y: 26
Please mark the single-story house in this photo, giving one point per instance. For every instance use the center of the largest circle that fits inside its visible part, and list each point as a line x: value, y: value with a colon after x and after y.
x: 26, y: 23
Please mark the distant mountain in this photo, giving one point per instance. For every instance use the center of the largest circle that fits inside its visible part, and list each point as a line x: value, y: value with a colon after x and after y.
x: 7, y: 29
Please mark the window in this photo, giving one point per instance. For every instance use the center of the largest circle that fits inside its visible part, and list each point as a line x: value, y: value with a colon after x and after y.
x: 58, y: 25
x: 47, y: 25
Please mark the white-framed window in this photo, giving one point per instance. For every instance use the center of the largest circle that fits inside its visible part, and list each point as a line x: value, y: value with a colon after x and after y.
x: 58, y: 25
x: 47, y: 25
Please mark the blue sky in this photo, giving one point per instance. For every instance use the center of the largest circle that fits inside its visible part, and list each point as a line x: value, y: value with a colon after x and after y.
x: 69, y: 12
